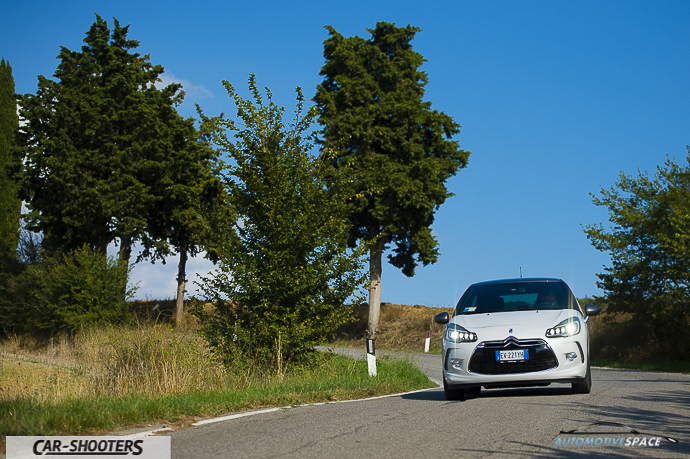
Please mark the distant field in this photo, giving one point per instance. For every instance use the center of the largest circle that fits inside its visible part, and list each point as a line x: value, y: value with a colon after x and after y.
x: 401, y: 327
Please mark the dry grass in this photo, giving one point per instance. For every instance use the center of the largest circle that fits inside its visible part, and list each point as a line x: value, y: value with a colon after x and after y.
x: 39, y: 381
x: 76, y: 386
x: 147, y: 358
x: 401, y: 327
x: 154, y: 358
x: 44, y: 370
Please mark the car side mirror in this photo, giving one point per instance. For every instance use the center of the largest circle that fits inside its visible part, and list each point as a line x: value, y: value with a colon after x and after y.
x: 592, y: 310
x: 442, y: 318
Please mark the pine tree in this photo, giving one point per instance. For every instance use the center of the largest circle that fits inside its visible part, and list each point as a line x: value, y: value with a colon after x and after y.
x: 399, y: 151
x: 10, y: 204
x: 190, y: 202
x: 97, y: 141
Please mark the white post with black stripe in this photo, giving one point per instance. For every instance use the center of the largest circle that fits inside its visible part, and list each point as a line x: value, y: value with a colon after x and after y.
x: 371, y: 357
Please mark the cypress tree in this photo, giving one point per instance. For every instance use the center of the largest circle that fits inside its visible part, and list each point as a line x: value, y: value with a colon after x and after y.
x: 100, y: 142
x: 10, y: 204
x: 398, y: 149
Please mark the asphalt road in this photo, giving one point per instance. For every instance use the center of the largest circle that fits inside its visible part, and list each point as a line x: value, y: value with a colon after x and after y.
x: 627, y: 414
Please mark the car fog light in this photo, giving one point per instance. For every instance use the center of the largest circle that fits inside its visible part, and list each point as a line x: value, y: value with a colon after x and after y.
x: 456, y: 363
x: 570, y: 356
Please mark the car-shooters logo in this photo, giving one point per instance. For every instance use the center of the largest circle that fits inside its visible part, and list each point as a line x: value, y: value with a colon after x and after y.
x: 86, y: 447
x: 610, y: 434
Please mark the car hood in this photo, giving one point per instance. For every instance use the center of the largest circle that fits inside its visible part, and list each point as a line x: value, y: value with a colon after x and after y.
x: 521, y: 324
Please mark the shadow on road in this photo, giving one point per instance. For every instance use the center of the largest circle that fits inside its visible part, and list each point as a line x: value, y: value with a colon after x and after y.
x: 437, y: 395
x: 527, y: 392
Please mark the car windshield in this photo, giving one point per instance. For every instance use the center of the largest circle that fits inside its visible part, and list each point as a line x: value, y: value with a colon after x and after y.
x: 518, y: 296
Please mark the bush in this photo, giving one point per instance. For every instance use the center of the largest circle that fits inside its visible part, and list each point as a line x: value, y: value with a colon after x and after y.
x: 285, y: 270
x: 632, y: 338
x: 65, y: 293
x: 647, y: 240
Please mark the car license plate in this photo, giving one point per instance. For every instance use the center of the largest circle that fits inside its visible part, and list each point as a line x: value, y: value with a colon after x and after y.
x: 512, y: 355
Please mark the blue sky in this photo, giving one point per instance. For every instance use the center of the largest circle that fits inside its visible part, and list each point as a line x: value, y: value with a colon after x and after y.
x: 555, y: 100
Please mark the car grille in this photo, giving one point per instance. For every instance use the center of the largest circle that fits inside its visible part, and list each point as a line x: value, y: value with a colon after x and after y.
x: 541, y: 357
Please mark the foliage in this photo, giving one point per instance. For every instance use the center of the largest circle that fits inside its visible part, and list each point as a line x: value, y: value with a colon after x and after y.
x: 10, y: 204
x: 96, y: 141
x: 17, y: 291
x: 649, y: 244
x: 187, y: 197
x: 398, y: 150
x: 65, y: 293
x: 284, y: 270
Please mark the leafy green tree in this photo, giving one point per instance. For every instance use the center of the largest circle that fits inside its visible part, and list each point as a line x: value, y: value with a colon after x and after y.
x: 285, y: 270
x: 398, y: 150
x: 189, y: 194
x: 96, y: 141
x: 83, y: 289
x: 10, y: 204
x: 67, y: 292
x: 649, y: 242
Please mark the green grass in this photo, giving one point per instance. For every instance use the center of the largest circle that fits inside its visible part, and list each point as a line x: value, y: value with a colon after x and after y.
x: 339, y: 378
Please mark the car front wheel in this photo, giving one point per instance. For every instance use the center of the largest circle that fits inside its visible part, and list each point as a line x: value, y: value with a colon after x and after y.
x: 453, y: 394
x: 474, y: 390
x: 584, y: 386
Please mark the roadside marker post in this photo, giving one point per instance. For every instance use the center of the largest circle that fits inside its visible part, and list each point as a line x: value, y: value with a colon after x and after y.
x: 371, y: 357
x: 427, y: 341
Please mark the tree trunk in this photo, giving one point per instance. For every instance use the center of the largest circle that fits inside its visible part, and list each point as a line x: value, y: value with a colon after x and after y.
x: 125, y: 255
x: 181, y: 274
x: 102, y: 241
x: 375, y: 254
x: 125, y: 250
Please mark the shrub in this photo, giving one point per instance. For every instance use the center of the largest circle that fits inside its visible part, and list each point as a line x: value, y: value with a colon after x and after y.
x: 65, y: 293
x: 285, y: 269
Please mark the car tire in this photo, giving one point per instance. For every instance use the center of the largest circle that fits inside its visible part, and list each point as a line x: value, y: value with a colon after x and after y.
x: 453, y: 394
x: 584, y: 386
x: 474, y: 390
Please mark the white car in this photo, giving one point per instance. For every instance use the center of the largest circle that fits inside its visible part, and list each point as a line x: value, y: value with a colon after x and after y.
x: 516, y: 333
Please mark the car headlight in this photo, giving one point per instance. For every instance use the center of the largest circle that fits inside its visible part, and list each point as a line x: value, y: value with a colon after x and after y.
x: 457, y: 334
x: 568, y: 327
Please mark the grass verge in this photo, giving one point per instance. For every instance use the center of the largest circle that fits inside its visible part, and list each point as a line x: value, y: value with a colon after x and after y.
x: 338, y: 378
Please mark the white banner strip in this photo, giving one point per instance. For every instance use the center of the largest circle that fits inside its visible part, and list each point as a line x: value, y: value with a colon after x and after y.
x: 100, y: 447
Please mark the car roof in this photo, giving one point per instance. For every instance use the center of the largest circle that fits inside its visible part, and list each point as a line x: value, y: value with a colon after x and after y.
x: 520, y: 280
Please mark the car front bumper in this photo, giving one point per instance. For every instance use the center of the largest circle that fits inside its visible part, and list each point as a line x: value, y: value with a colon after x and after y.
x: 549, y: 361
